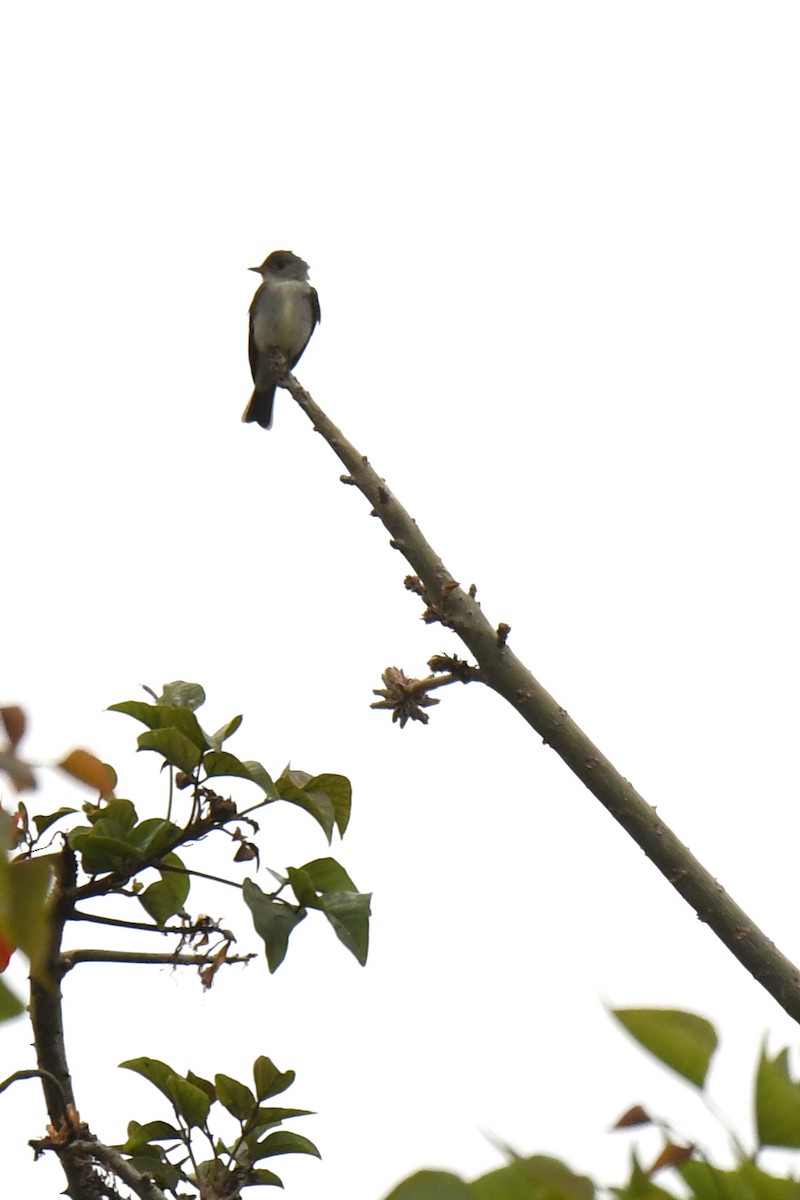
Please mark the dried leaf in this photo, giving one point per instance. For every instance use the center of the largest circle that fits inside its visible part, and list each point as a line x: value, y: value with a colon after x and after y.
x: 88, y: 769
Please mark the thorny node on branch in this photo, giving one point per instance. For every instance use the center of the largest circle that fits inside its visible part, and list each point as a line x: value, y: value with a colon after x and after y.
x: 405, y: 697
x: 219, y: 808
x: 459, y: 668
x: 434, y: 612
x: 70, y: 1128
x: 198, y: 932
x: 503, y: 631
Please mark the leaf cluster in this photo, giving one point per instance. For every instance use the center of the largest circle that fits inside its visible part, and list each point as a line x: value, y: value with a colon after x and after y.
x: 68, y: 863
x: 114, y: 847
x: 686, y: 1043
x: 166, y: 1152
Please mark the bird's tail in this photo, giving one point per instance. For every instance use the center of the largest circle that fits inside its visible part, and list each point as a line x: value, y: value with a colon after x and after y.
x: 260, y: 407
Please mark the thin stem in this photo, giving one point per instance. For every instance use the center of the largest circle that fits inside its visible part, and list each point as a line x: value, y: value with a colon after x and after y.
x: 243, y: 812
x: 119, y: 923
x: 32, y: 1073
x: 162, y: 866
x: 171, y: 790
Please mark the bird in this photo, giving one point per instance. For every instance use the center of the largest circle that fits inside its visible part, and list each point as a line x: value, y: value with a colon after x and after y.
x: 283, y: 316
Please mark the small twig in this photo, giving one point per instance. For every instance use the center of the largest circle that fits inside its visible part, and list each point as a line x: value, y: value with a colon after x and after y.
x: 204, y: 926
x: 71, y: 958
x: 34, y: 1073
x: 406, y: 698
x: 119, y: 923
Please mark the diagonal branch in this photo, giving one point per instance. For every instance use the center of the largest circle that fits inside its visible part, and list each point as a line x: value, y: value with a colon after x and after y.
x: 142, y: 1184
x: 511, y: 679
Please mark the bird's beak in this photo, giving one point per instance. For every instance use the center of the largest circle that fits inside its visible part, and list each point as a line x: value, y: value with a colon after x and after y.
x: 256, y: 269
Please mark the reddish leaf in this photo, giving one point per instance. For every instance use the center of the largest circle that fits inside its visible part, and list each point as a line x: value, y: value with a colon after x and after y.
x: 6, y: 950
x: 672, y: 1155
x: 13, y: 719
x: 88, y: 769
x: 634, y: 1116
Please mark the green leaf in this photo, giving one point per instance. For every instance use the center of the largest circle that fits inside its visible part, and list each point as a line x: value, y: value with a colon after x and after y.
x: 24, y: 910
x: 777, y: 1102
x: 220, y: 762
x: 348, y: 913
x: 224, y: 732
x: 153, y: 1131
x: 538, y: 1178
x: 205, y: 1085
x: 746, y: 1183
x: 44, y: 822
x: 274, y: 922
x: 681, y: 1040
x: 167, y: 896
x: 283, y: 1142
x: 165, y: 716
x: 262, y: 1176
x: 182, y: 695
x: 173, y: 746
x: 641, y: 1187
x: 114, y: 819
x: 154, y: 835
x: 191, y: 1103
x: 262, y: 777
x: 154, y: 1071
x: 327, y: 875
x: 10, y: 1005
x: 268, y: 1080
x: 138, y: 709
x: 236, y: 1097
x: 267, y: 1117
x: 99, y: 853
x: 302, y: 887
x: 339, y: 794
x: 758, y: 1184
x: 292, y: 788
x: 432, y: 1185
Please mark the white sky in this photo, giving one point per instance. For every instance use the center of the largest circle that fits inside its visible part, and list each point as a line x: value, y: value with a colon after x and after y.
x: 557, y: 250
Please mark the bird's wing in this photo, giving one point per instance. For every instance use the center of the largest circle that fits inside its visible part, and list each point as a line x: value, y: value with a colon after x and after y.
x: 252, y: 349
x: 315, y: 313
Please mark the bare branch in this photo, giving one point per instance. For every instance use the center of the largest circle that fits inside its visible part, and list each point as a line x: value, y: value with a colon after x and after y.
x: 71, y: 958
x: 511, y: 679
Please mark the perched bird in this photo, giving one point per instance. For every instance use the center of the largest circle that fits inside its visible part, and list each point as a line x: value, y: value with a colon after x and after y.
x: 283, y: 314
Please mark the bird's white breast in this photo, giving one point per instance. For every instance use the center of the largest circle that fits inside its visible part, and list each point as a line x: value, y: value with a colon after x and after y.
x: 284, y: 318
